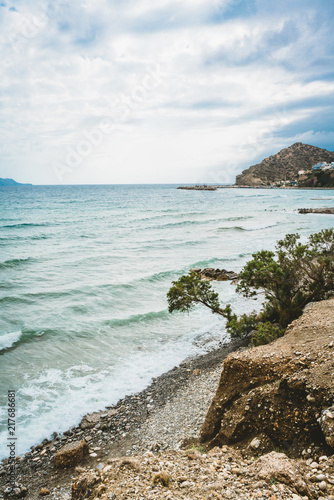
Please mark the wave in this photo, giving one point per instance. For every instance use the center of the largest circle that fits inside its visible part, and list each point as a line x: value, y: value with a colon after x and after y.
x: 9, y: 339
x: 27, y: 224
x: 137, y: 318
x: 39, y: 237
x: 14, y: 262
x: 183, y: 223
x: 232, y: 228
x: 241, y: 217
x: 240, y: 228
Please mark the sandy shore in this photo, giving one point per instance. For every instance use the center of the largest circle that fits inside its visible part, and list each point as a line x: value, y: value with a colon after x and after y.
x: 158, y: 418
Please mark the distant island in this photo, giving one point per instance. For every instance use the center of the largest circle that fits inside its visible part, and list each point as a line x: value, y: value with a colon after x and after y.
x: 294, y: 166
x: 11, y: 182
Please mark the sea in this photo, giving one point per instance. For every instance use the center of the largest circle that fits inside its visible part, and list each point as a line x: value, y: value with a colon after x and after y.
x: 84, y: 272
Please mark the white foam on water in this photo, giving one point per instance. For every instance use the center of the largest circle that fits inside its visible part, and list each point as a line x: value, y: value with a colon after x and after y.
x: 9, y: 339
x: 56, y: 400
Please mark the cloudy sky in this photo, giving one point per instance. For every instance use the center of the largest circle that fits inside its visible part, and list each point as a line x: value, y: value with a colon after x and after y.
x: 139, y: 91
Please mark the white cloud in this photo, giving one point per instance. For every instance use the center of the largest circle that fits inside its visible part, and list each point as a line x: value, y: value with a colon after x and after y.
x: 219, y: 83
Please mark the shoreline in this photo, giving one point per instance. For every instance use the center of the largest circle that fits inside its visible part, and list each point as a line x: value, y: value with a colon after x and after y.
x: 132, y: 425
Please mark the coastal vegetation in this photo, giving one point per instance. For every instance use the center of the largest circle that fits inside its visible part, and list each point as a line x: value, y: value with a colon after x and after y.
x: 289, y: 278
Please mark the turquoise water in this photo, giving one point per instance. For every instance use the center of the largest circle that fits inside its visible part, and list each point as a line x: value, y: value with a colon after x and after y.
x: 84, y: 272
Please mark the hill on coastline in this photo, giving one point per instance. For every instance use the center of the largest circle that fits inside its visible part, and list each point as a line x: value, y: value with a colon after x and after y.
x: 284, y: 165
x: 11, y: 182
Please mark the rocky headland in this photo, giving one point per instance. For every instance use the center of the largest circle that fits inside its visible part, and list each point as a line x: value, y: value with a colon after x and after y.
x: 268, y: 430
x: 284, y: 165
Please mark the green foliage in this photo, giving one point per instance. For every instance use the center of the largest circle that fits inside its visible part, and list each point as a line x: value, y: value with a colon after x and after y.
x: 266, y: 333
x: 242, y: 326
x: 190, y: 290
x: 196, y: 447
x: 291, y: 277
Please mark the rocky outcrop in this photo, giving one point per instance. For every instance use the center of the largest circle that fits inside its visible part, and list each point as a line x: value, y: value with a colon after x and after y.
x: 277, y: 393
x: 284, y: 165
x: 325, y: 210
x: 211, y: 274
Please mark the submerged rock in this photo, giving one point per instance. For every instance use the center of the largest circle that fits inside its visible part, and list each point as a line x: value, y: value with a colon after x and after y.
x: 212, y: 274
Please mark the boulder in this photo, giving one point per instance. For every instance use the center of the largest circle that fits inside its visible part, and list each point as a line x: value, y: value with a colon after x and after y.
x: 82, y: 487
x: 44, y: 492
x: 278, y: 467
x: 71, y: 454
x: 90, y: 420
x: 326, y: 422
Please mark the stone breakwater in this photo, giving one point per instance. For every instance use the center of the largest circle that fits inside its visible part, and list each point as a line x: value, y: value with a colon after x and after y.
x: 325, y: 210
x: 204, y: 187
x: 273, y: 403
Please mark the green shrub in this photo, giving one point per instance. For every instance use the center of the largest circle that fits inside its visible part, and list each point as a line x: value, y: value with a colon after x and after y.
x: 291, y: 277
x: 266, y: 333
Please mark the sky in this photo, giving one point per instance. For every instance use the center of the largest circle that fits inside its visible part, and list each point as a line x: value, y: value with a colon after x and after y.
x: 170, y: 91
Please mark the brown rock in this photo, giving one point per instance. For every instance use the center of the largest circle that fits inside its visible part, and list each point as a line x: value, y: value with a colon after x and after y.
x: 265, y: 391
x: 277, y: 466
x: 90, y: 421
x: 71, y: 454
x: 326, y: 422
x: 162, y: 478
x: 211, y: 274
x: 130, y: 463
x: 44, y: 492
x: 83, y: 486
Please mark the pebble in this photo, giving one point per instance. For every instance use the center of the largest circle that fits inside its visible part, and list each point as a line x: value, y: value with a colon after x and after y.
x: 323, y: 486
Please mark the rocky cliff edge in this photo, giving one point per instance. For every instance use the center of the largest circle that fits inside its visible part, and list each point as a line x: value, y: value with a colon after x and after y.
x: 279, y: 396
